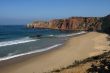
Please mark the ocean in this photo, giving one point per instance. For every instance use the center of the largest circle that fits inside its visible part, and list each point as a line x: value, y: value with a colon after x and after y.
x: 17, y: 40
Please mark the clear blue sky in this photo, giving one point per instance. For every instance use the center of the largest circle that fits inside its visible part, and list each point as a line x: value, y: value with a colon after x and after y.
x: 25, y: 11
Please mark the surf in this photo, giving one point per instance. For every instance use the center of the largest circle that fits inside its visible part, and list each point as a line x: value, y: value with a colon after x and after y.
x: 68, y: 35
x: 31, y: 52
x: 17, y: 41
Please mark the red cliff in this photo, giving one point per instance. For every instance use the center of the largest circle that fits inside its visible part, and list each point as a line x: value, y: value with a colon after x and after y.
x: 73, y: 23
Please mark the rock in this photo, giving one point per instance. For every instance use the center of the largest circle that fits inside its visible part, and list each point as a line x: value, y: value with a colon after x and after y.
x: 72, y: 23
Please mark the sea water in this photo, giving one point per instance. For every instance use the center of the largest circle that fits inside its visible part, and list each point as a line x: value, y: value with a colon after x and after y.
x: 17, y: 40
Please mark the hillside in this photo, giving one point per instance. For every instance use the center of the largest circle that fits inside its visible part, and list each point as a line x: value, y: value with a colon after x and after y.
x: 73, y: 23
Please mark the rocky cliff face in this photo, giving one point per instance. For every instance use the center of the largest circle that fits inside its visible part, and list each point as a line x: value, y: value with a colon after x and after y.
x: 38, y: 24
x: 106, y: 24
x: 73, y: 23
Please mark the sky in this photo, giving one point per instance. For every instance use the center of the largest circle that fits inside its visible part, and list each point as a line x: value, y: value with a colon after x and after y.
x: 26, y: 11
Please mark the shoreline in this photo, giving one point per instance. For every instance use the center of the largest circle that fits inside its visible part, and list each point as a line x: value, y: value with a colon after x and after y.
x: 42, y: 50
x: 25, y: 57
x: 74, y: 49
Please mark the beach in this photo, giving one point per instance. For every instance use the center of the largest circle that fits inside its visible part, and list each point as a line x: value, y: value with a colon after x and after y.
x: 76, y: 48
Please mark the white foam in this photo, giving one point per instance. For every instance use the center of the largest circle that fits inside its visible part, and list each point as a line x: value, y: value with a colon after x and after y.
x: 51, y: 35
x: 73, y: 34
x: 29, y: 40
x: 32, y: 52
x: 18, y: 41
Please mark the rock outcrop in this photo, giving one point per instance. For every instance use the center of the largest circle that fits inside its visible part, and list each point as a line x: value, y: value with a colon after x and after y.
x: 73, y: 23
x: 106, y: 24
x: 38, y: 24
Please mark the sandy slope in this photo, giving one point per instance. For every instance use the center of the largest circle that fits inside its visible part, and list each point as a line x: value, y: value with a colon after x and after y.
x: 75, y: 48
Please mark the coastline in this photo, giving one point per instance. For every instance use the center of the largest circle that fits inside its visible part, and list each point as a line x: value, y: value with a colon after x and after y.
x: 22, y: 57
x: 43, y: 50
x: 74, y: 49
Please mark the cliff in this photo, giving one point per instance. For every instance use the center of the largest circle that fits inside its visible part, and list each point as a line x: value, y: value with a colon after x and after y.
x: 106, y: 24
x: 76, y: 23
x: 72, y: 23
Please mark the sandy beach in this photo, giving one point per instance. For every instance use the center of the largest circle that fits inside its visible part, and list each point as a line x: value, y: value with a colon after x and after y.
x: 76, y: 48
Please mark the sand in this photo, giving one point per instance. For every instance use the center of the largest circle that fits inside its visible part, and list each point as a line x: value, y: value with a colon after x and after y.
x: 76, y: 48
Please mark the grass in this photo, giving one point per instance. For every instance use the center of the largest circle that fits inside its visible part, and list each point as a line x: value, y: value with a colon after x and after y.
x: 78, y: 62
x: 89, y: 59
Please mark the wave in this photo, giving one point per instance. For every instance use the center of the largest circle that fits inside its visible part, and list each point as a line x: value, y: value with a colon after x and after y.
x: 68, y: 35
x: 73, y: 34
x: 18, y: 41
x: 32, y: 52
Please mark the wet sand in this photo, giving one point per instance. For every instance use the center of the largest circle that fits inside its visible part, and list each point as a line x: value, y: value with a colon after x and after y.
x: 76, y: 48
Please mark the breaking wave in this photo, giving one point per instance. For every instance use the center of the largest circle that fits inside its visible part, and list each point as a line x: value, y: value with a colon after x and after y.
x: 18, y: 41
x: 32, y: 52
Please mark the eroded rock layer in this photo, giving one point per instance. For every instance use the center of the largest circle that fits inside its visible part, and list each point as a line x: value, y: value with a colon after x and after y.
x: 73, y: 23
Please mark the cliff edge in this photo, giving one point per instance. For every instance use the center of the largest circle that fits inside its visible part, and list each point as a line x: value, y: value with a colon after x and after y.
x: 72, y: 23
